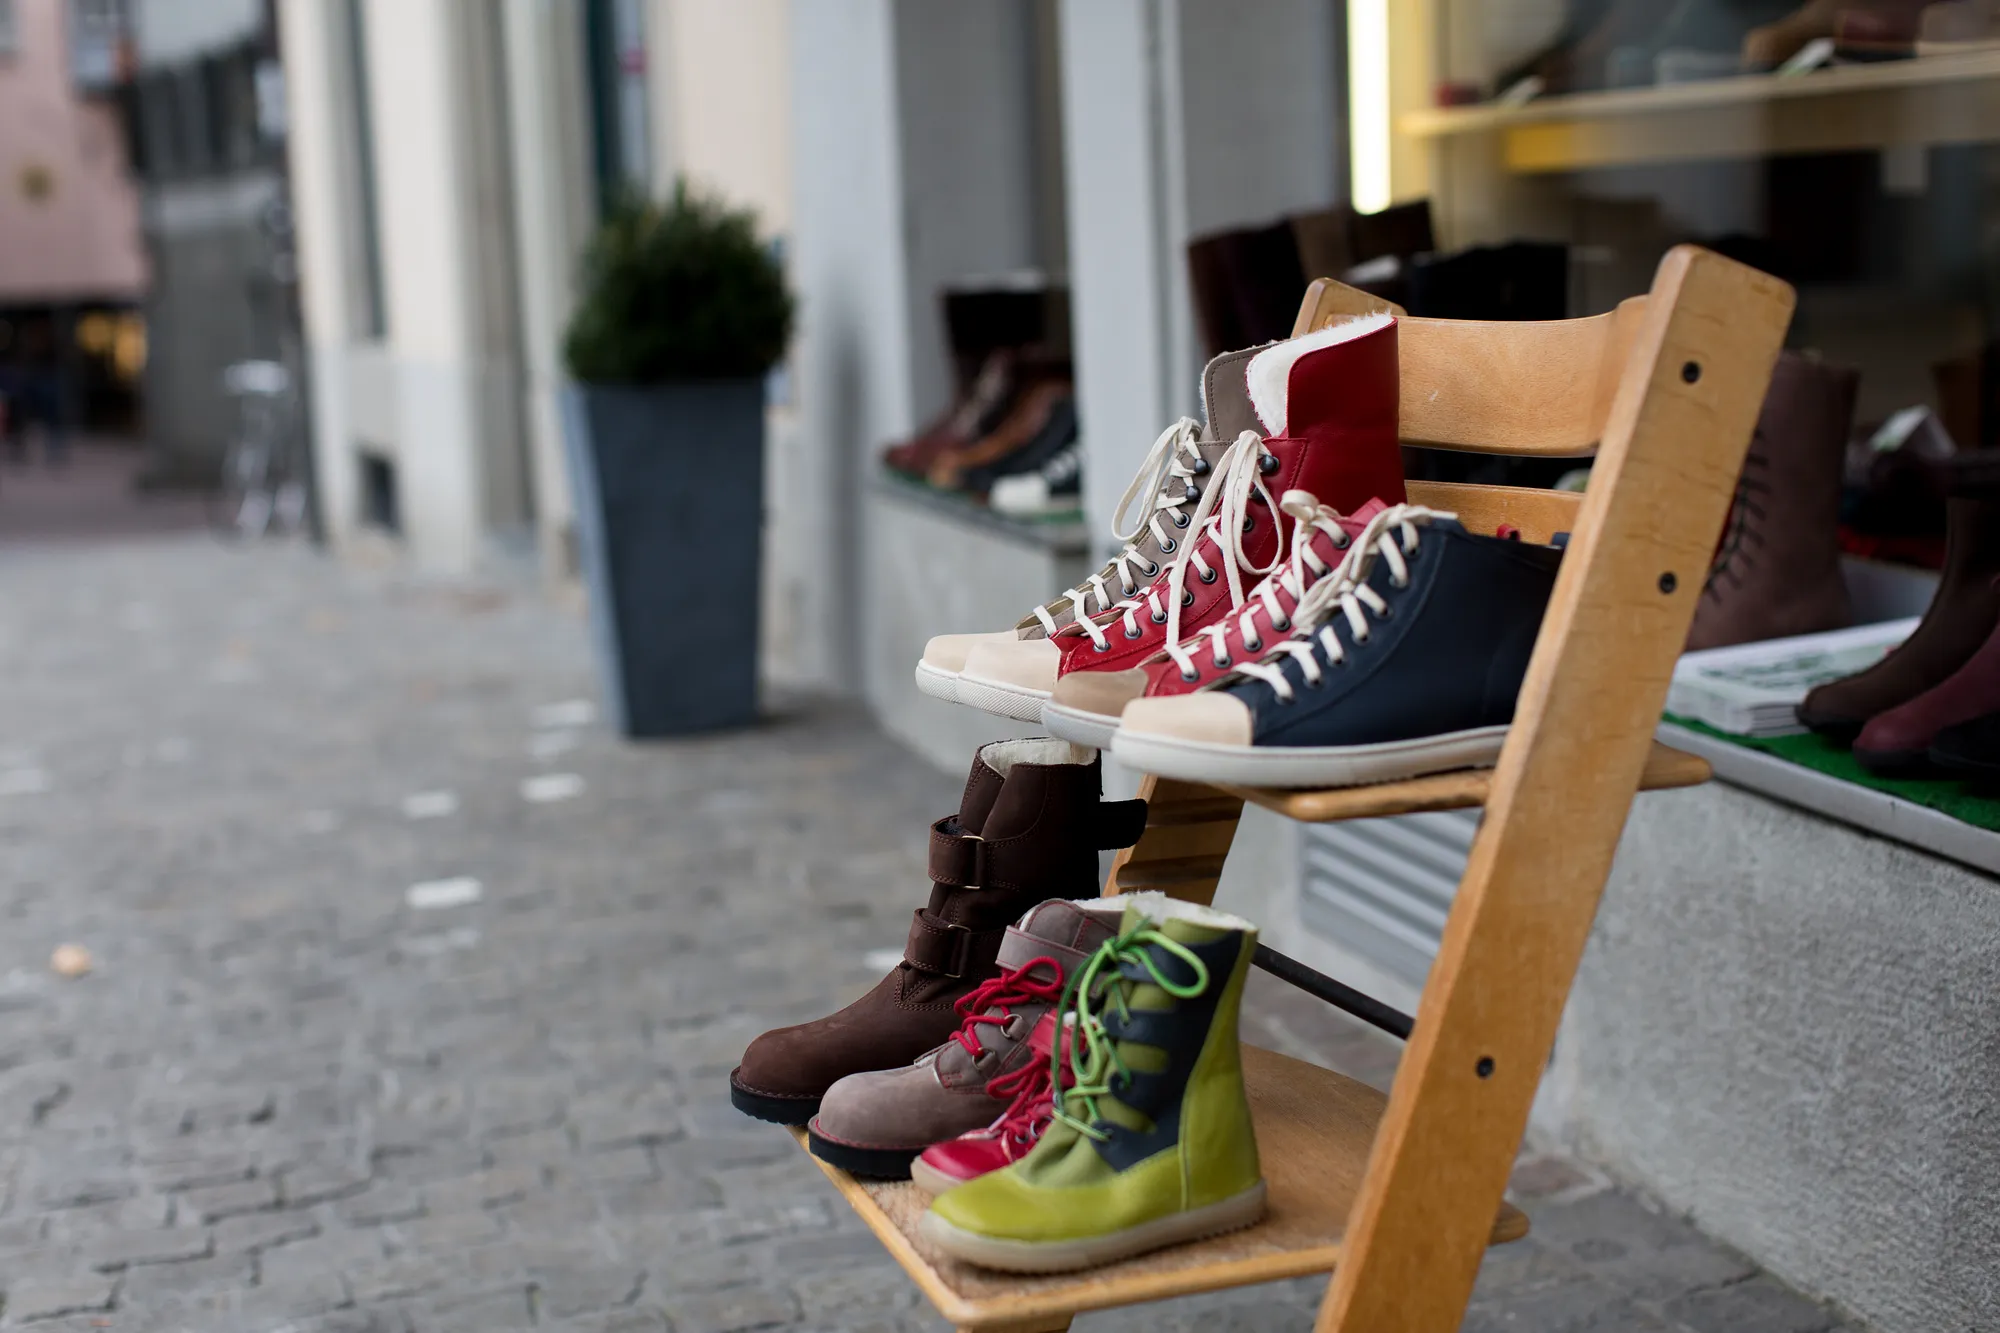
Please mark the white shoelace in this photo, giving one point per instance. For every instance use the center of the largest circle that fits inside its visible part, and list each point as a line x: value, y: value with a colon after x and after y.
x: 1309, y: 516
x: 1173, y: 458
x: 1389, y: 537
x: 1238, y: 476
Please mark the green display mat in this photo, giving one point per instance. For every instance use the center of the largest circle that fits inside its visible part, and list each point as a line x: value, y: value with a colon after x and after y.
x: 1945, y: 795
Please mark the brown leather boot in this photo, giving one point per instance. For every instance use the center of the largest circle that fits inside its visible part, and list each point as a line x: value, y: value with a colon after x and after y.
x: 1028, y: 828
x: 1777, y: 572
x: 1961, y: 616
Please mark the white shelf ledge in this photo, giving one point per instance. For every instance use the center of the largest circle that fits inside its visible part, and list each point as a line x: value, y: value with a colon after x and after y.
x: 1865, y: 808
x: 1927, y: 100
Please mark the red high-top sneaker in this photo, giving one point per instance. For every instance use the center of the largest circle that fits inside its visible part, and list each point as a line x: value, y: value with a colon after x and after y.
x: 1086, y: 704
x: 944, y: 1165
x: 1329, y: 403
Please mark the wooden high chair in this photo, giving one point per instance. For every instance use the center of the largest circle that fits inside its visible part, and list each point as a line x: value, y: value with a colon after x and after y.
x: 1400, y: 1196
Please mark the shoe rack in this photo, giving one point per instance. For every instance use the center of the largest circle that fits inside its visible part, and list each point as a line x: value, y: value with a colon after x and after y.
x: 1400, y: 1196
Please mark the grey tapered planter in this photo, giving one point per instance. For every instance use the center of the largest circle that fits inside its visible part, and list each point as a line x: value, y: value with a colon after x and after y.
x: 669, y: 488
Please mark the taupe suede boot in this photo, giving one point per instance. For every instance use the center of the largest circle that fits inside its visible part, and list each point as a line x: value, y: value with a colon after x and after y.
x: 1777, y: 572
x: 1028, y: 828
x: 872, y: 1124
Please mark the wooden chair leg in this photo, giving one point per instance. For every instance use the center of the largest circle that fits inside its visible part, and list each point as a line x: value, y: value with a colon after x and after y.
x: 1188, y: 831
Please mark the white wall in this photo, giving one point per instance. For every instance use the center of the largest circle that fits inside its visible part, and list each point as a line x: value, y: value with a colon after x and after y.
x: 722, y: 101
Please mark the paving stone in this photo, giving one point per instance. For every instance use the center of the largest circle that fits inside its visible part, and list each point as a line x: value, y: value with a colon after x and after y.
x: 1758, y: 1303
x: 47, y: 1297
x: 124, y: 1249
x: 732, y: 1309
x: 221, y: 1273
x: 215, y: 1202
x: 263, y: 1231
x: 381, y: 1203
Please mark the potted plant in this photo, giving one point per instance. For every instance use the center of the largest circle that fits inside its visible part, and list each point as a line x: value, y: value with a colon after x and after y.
x: 681, y: 314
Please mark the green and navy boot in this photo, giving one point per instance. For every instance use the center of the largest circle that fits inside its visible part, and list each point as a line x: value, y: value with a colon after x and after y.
x: 1152, y: 1145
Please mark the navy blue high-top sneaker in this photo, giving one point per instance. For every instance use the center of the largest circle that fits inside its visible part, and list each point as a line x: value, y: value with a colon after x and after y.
x: 1406, y: 661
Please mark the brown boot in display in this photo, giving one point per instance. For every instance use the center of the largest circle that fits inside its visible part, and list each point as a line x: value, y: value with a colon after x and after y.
x: 1961, y: 615
x: 1777, y: 572
x: 1028, y: 828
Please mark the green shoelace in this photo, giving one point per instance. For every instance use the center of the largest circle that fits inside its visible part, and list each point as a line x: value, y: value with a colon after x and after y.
x: 1093, y: 989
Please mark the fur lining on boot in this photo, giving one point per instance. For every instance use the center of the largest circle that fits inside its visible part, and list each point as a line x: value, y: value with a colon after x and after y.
x: 1270, y: 372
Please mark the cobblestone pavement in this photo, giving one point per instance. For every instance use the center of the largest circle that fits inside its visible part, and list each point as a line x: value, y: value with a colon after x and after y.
x: 298, y: 1091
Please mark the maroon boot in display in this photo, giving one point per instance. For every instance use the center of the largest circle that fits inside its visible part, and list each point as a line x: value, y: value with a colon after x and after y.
x: 1898, y: 743
x: 1028, y: 828
x: 1962, y: 614
x: 1777, y: 572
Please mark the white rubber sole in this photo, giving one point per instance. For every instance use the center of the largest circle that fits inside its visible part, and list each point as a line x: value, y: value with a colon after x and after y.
x: 1308, y: 765
x: 937, y: 682
x: 1067, y: 1256
x: 1074, y: 724
x: 1001, y: 699
x: 931, y: 1180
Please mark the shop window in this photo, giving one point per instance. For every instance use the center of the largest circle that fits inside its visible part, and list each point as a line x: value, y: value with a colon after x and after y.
x: 10, y: 31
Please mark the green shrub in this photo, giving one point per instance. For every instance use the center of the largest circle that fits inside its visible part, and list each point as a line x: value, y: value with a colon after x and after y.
x: 681, y: 291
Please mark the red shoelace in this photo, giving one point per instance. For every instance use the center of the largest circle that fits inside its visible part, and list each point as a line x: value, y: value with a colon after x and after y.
x: 1033, y: 1104
x: 1018, y: 986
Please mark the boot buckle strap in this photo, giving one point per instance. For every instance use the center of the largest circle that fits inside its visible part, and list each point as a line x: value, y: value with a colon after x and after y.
x: 941, y: 948
x: 956, y: 858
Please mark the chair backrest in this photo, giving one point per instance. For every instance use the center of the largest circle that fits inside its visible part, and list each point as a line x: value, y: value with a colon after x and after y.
x: 1531, y: 389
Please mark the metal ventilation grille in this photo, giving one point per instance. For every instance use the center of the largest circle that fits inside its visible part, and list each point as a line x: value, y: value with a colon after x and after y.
x: 1380, y: 888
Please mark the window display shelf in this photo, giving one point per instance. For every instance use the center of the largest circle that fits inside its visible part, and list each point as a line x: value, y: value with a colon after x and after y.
x: 1319, y: 1124
x: 1877, y: 812
x: 1930, y: 100
x: 1063, y: 537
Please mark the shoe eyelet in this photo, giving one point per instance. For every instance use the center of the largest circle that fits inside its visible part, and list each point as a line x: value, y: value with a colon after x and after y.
x: 1283, y: 624
x: 1386, y: 613
x: 1190, y: 676
x: 1206, y: 575
x: 1187, y: 597
x: 1152, y: 569
x: 1343, y: 543
x: 1180, y: 518
x: 1268, y: 463
x: 1253, y: 645
x: 1158, y: 617
x: 1100, y: 647
x: 1249, y: 525
x: 1133, y: 631
x: 1169, y: 546
x: 1201, y: 467
x: 1223, y: 663
x: 1192, y: 494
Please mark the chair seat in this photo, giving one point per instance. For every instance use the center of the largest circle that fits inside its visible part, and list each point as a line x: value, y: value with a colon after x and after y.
x: 1314, y: 1132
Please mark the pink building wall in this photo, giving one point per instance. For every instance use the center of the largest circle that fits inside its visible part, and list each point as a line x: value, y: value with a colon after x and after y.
x: 80, y: 239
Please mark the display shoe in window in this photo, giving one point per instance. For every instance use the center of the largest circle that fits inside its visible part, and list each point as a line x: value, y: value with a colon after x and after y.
x: 1328, y: 403
x: 1406, y: 663
x: 1958, y: 25
x: 873, y: 1123
x: 1152, y: 1144
x: 1159, y: 505
x: 1052, y: 491
x: 1029, y: 827
x: 1029, y: 1091
x: 1870, y: 29
x: 1970, y: 750
x: 1962, y: 614
x: 1086, y: 705
x: 1897, y: 743
x: 1777, y: 572
x: 1045, y: 398
x: 984, y: 404
x: 1056, y: 434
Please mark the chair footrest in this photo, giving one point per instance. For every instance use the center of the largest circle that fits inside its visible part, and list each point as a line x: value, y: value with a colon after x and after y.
x: 1314, y: 1132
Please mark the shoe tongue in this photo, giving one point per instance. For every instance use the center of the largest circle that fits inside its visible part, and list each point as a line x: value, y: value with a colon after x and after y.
x: 1177, y: 929
x: 1057, y: 928
x: 1225, y: 396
